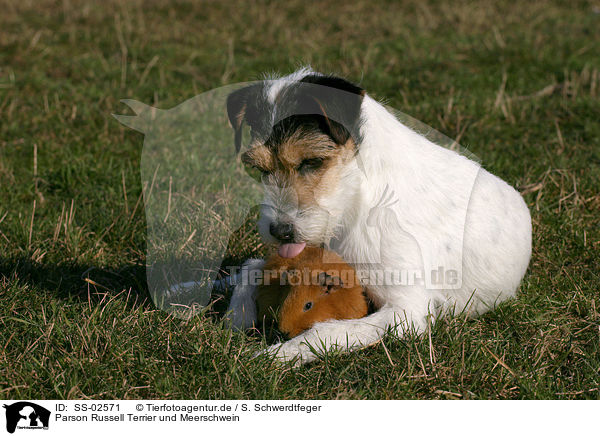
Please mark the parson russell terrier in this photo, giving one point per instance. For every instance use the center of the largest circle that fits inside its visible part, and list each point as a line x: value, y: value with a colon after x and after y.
x: 428, y: 230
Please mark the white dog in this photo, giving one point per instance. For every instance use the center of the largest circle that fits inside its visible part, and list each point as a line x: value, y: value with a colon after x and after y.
x: 340, y: 170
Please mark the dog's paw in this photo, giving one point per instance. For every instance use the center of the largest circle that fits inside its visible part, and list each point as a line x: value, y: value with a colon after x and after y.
x: 295, y: 352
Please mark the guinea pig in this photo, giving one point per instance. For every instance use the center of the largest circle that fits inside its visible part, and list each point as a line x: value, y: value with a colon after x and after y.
x: 317, y: 285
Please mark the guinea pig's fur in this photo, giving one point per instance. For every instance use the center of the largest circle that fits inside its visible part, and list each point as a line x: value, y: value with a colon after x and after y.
x: 317, y: 285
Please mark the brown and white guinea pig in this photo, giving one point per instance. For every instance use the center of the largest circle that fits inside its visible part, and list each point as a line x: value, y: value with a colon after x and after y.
x: 317, y: 285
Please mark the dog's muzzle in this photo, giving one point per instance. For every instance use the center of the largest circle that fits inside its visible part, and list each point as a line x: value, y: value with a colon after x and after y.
x: 284, y: 233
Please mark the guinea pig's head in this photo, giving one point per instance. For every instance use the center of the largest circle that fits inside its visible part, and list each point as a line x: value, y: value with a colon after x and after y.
x: 326, y: 297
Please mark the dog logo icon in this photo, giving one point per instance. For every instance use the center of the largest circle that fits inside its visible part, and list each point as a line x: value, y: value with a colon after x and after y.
x: 26, y: 415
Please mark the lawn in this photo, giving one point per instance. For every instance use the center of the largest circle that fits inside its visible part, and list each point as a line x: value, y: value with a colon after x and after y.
x: 518, y: 85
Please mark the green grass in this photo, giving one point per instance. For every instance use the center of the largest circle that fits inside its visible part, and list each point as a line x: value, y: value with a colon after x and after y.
x: 519, y: 85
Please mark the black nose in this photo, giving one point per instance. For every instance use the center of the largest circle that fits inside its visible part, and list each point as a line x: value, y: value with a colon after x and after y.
x: 282, y: 231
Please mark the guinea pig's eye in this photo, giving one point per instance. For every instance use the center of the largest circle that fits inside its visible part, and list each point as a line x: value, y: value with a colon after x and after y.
x: 308, y: 306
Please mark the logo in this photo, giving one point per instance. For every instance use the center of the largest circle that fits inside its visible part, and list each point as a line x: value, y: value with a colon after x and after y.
x: 26, y: 415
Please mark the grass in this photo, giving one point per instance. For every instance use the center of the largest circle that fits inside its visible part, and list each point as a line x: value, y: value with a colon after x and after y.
x: 517, y: 84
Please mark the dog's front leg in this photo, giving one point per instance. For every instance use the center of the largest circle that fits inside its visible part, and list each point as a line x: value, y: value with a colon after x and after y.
x: 349, y: 334
x: 241, y: 313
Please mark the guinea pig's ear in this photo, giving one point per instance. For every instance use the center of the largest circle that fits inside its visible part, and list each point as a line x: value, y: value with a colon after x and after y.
x: 329, y: 282
x: 290, y: 277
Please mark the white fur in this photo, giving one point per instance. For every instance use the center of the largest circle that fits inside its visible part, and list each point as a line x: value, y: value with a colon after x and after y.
x: 443, y: 209
x: 277, y: 84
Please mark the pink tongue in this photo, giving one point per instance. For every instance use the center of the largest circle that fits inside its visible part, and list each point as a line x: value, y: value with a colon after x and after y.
x: 291, y: 250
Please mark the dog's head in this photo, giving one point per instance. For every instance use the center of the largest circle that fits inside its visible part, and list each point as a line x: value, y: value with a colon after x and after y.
x: 305, y: 132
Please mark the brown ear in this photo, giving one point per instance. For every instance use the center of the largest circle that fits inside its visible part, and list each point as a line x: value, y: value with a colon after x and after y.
x: 290, y: 277
x: 338, y: 101
x: 334, y: 129
x: 237, y: 107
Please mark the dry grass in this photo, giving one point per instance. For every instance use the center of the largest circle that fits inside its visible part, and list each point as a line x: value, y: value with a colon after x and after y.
x: 517, y: 84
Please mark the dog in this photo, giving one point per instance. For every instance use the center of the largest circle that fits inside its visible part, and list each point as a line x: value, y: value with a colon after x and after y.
x: 339, y: 170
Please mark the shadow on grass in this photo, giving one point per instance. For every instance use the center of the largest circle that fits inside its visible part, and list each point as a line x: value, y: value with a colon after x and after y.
x: 78, y: 281
x: 83, y: 282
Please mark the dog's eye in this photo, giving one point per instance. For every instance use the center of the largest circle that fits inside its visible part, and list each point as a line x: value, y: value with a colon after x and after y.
x: 308, y: 165
x: 308, y: 306
x: 256, y: 173
x: 262, y: 171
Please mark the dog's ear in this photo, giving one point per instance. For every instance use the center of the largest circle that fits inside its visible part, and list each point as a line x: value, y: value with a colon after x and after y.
x: 338, y: 103
x: 237, y: 110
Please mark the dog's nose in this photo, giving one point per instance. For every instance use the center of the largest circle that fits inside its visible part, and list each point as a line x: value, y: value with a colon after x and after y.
x: 282, y: 231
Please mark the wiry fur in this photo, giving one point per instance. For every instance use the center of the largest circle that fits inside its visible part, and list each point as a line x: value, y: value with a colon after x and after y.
x: 444, y: 209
